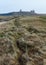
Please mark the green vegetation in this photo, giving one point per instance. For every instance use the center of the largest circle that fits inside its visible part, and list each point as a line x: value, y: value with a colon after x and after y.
x: 2, y: 34
x: 23, y: 41
x: 43, y: 19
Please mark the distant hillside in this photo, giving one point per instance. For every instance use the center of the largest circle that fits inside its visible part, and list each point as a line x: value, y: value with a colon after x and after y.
x: 7, y: 14
x: 26, y: 13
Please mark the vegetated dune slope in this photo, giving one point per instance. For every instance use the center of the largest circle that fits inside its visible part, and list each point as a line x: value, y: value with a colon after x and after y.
x: 23, y: 41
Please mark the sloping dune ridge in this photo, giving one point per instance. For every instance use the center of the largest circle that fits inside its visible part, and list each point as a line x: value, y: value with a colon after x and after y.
x: 23, y: 41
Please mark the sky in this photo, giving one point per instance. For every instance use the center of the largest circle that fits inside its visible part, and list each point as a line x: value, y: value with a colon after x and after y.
x: 26, y: 5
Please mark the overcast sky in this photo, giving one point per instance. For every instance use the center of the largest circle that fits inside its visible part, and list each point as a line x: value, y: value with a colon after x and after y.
x: 15, y: 5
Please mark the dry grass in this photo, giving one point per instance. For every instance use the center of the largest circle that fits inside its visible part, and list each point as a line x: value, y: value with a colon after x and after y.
x: 23, y: 39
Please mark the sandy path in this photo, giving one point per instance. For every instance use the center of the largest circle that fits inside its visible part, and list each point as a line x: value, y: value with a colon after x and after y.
x: 3, y: 22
